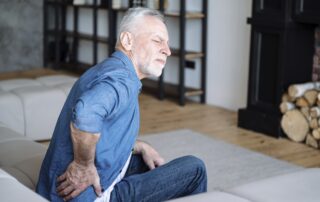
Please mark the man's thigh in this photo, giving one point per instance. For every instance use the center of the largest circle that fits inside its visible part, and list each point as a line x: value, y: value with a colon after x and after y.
x: 136, y: 166
x: 177, y: 178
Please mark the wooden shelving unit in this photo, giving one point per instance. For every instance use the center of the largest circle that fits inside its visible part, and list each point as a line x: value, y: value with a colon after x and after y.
x: 59, y: 35
x: 183, y: 54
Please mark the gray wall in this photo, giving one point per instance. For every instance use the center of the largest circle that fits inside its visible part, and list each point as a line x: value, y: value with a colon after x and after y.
x: 21, y: 34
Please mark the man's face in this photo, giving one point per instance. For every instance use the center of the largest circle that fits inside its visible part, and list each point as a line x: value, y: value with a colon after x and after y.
x: 150, y: 47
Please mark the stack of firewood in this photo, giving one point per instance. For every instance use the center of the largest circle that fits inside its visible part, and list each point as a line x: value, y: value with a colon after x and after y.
x: 301, y: 113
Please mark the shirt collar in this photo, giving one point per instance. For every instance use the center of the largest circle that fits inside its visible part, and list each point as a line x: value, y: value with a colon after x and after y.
x: 128, y: 64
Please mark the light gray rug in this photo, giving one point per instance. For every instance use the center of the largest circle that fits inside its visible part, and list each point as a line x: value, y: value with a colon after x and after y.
x: 227, y: 165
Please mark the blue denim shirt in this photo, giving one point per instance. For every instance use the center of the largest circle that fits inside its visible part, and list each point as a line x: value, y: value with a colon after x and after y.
x: 103, y: 100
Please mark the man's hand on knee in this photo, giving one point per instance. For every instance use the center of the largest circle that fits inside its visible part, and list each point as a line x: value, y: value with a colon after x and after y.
x: 150, y: 156
x: 76, y: 179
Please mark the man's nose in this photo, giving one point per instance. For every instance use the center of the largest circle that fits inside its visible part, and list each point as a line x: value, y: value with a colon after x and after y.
x: 166, y: 50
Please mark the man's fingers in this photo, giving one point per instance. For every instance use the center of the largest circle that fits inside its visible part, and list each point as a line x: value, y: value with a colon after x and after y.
x: 73, y: 194
x: 150, y: 164
x: 159, y: 162
x: 62, y: 186
x: 66, y: 191
x: 61, y: 177
x: 97, y: 188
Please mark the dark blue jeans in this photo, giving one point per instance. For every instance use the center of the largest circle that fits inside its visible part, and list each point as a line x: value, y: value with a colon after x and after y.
x: 181, y: 177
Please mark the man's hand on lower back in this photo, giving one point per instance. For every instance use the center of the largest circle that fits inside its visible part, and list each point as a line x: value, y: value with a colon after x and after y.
x: 76, y: 179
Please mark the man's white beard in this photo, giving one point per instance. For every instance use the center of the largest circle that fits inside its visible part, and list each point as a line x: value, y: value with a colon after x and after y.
x: 152, y: 71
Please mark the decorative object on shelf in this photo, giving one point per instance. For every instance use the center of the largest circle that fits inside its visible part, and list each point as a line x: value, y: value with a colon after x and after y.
x: 116, y: 4
x: 137, y: 3
x: 154, y: 4
x: 79, y: 2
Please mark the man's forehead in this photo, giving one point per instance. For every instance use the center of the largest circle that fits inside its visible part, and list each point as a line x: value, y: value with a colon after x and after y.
x: 154, y: 33
x: 151, y: 22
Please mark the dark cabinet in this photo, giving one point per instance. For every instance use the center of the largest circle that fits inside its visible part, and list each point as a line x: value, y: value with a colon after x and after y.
x: 307, y: 11
x: 281, y: 54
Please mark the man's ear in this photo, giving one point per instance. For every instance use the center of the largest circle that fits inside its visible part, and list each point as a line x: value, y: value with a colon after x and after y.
x: 126, y: 40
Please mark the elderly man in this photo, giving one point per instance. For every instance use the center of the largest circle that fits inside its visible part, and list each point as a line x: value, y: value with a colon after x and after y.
x: 94, y: 154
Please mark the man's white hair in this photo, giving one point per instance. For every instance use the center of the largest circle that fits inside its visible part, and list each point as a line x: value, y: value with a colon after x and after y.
x: 130, y: 18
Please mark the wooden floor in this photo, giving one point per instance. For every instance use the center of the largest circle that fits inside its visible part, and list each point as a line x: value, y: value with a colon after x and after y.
x: 160, y: 116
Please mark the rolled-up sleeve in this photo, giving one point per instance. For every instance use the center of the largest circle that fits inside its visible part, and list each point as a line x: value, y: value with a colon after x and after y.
x: 96, y: 104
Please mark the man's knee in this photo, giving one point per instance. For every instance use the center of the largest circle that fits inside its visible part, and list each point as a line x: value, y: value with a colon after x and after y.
x: 193, y: 162
x: 196, y: 168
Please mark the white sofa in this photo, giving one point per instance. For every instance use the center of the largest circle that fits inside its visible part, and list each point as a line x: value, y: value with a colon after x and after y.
x: 21, y: 157
x: 20, y: 161
x: 31, y: 106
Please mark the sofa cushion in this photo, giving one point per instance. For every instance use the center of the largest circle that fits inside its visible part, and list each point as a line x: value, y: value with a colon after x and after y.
x: 216, y: 196
x: 12, y: 190
x: 26, y: 171
x: 7, y: 134
x: 31, y: 167
x: 20, y: 176
x: 4, y: 174
x: 20, y: 156
x: 42, y: 106
x: 31, y: 106
x: 65, y: 87
x: 8, y: 85
x: 16, y: 151
x: 53, y: 80
x: 294, y: 187
x: 12, y: 113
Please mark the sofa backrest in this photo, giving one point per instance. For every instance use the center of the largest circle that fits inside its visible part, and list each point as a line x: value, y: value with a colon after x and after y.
x: 31, y: 106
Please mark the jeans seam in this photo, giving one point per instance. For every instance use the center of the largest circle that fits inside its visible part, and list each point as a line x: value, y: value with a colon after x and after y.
x: 150, y: 196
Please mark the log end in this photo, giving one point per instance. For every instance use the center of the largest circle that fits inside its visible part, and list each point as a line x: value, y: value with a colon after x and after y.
x: 295, y: 125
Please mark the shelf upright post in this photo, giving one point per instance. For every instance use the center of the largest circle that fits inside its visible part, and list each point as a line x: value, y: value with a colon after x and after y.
x: 204, y: 51
x: 63, y: 31
x: 95, y: 42
x: 182, y: 52
x: 112, y: 28
x: 63, y: 18
x: 57, y: 36
x: 45, y: 33
x: 160, y: 81
x: 75, y: 43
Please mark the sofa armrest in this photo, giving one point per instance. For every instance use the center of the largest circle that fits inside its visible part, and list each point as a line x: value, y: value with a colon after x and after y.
x: 294, y: 187
x: 12, y: 190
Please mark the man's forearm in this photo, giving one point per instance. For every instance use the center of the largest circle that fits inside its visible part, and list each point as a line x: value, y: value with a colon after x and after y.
x: 81, y: 172
x: 84, y: 146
